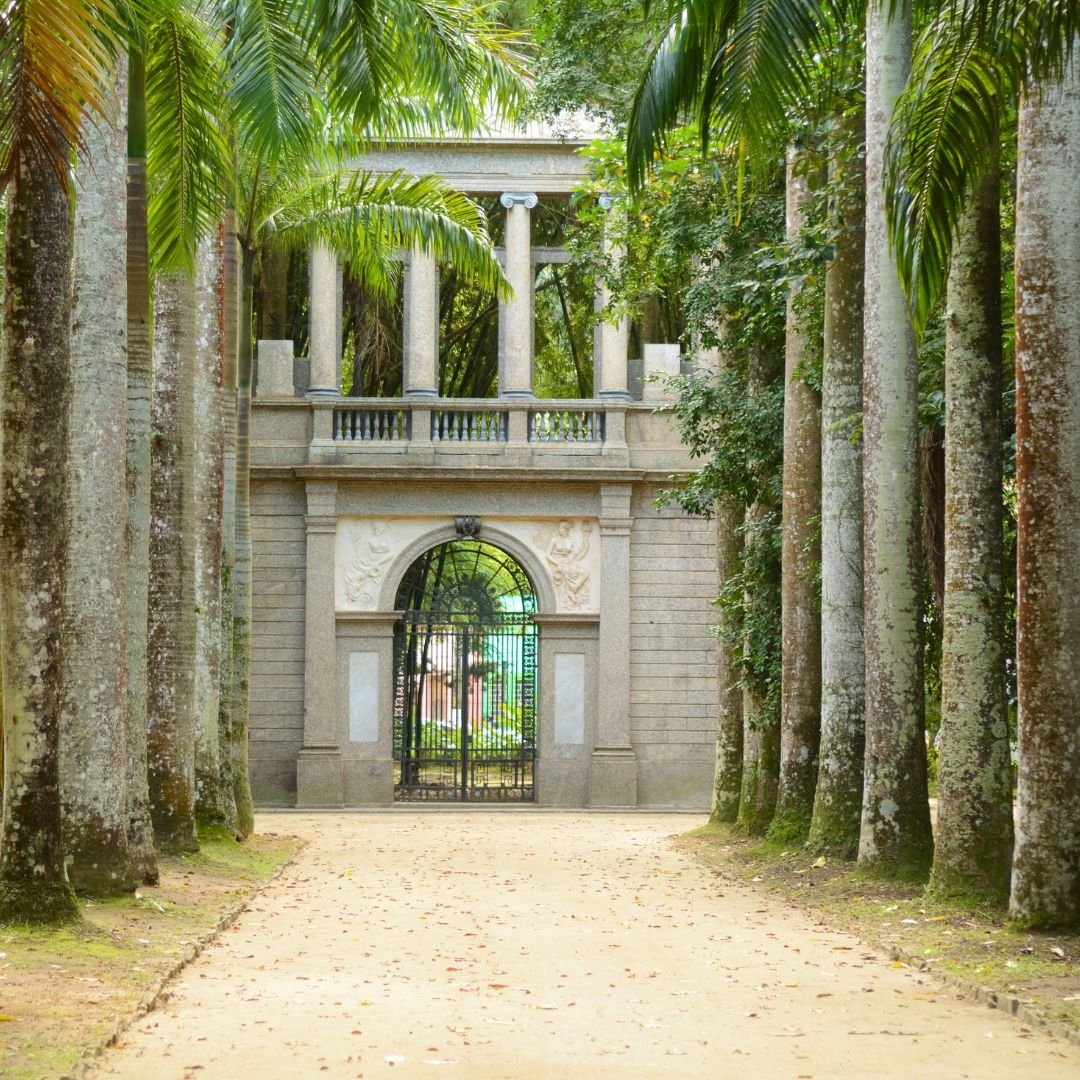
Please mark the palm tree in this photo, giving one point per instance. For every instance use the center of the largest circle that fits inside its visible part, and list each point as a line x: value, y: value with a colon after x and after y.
x: 977, y: 59
x: 93, y: 758
x: 895, y: 836
x: 747, y: 71
x: 48, y: 98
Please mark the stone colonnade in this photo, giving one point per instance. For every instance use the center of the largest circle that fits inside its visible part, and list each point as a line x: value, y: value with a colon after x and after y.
x: 421, y: 368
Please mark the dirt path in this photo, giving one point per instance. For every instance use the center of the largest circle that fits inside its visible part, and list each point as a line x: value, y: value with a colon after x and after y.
x: 534, y: 945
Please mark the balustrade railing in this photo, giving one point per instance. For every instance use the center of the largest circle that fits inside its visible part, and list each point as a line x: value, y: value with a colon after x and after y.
x: 372, y: 425
x: 566, y: 425
x: 382, y: 421
x: 465, y: 424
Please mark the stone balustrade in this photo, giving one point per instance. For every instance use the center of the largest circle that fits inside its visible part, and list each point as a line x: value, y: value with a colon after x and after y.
x: 402, y: 420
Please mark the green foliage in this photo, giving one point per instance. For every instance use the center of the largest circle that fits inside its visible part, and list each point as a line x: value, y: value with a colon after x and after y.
x: 589, y: 56
x: 968, y: 69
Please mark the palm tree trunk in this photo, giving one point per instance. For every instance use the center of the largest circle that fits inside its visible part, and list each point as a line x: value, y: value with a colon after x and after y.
x: 895, y: 837
x: 761, y: 720
x: 231, y: 332
x: 800, y: 694
x: 171, y: 648
x: 209, y: 496
x: 241, y: 629
x: 834, y: 829
x: 93, y: 726
x: 140, y: 831
x: 35, y: 387
x: 974, y: 833
x: 1046, y: 861
x: 727, y: 775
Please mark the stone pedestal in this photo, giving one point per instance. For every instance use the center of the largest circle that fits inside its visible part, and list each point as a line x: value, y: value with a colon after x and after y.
x: 613, y: 768
x: 318, y: 768
x: 662, y: 362
x: 614, y: 344
x: 421, y: 375
x: 324, y: 323
x: 275, y: 369
x: 516, y: 369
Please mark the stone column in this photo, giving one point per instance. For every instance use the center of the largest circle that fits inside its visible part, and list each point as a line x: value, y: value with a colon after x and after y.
x: 318, y: 766
x: 324, y: 380
x: 516, y: 371
x: 613, y: 769
x: 421, y: 377
x: 611, y: 378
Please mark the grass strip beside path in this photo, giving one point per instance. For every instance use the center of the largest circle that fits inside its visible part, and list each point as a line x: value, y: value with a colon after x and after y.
x: 65, y: 994
x: 1034, y: 975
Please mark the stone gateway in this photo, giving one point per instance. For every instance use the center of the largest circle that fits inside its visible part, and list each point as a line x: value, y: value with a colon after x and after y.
x: 466, y: 599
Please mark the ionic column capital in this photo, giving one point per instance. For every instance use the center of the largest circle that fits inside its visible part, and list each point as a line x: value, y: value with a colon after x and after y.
x: 529, y: 199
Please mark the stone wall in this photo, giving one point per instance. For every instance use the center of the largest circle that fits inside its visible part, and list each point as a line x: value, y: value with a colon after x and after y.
x: 277, y: 638
x: 672, y: 658
x: 672, y: 688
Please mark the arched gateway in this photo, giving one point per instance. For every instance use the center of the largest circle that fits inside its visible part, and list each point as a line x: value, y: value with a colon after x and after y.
x: 465, y: 677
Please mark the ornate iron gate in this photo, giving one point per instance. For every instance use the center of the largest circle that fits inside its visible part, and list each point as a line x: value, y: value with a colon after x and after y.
x: 465, y: 665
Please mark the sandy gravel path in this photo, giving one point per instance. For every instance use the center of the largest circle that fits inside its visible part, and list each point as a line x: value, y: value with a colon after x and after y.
x: 533, y: 945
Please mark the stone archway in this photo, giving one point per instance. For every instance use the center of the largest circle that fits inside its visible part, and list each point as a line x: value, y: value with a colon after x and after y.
x: 465, y: 676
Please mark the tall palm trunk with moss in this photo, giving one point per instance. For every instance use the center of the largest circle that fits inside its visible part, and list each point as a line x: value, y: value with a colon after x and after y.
x: 800, y: 694
x: 834, y: 828
x: 895, y: 838
x: 208, y: 498
x: 761, y: 720
x: 230, y: 287
x: 1046, y: 861
x: 35, y: 388
x: 93, y: 726
x: 241, y: 634
x: 728, y: 770
x: 171, y: 636
x: 140, y: 831
x: 974, y: 834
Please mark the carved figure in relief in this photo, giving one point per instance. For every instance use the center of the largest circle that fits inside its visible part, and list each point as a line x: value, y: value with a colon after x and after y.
x: 565, y: 556
x: 363, y: 574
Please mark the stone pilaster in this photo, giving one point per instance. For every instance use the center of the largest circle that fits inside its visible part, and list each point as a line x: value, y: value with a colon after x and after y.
x: 421, y: 376
x: 516, y: 371
x: 611, y: 378
x: 324, y: 380
x: 318, y: 767
x: 613, y: 769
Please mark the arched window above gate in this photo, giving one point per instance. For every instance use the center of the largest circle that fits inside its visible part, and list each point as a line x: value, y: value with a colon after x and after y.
x: 466, y: 581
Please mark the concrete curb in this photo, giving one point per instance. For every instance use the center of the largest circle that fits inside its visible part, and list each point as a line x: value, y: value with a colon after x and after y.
x: 159, y: 992
x: 992, y: 999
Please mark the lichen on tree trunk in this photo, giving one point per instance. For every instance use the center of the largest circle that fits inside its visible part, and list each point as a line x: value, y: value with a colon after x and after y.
x: 93, y: 727
x: 241, y: 629
x: 1046, y: 860
x: 728, y: 770
x: 800, y: 693
x: 209, y: 501
x: 35, y: 391
x: 974, y: 832
x: 171, y: 636
x: 140, y: 832
x: 895, y: 838
x: 834, y: 829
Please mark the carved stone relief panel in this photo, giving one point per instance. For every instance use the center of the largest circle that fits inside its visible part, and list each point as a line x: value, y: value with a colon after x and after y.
x: 566, y: 550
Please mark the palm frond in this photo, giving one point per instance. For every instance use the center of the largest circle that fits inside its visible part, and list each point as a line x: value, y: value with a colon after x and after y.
x: 449, y: 51
x: 271, y: 76
x: 673, y: 78
x: 370, y: 219
x: 187, y: 153
x: 765, y: 73
x: 56, y: 57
